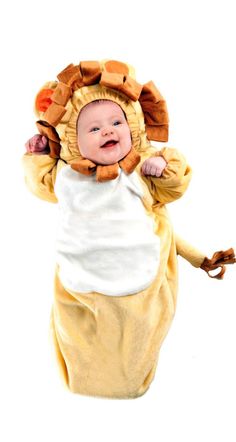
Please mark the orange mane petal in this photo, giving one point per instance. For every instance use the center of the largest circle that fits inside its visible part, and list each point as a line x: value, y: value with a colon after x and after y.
x: 43, y: 99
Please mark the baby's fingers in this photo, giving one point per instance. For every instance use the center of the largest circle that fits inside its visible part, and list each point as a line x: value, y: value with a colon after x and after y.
x: 36, y: 144
x: 145, y: 168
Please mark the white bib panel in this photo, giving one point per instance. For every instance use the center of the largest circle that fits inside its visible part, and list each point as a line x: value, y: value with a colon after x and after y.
x: 106, y: 241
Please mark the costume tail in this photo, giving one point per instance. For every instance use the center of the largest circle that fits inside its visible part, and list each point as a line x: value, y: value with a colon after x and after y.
x: 197, y: 259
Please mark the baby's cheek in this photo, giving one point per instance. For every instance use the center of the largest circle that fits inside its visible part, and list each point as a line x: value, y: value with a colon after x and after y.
x: 81, y: 147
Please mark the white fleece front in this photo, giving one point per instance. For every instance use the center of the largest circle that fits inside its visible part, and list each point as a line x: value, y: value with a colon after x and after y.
x: 106, y: 241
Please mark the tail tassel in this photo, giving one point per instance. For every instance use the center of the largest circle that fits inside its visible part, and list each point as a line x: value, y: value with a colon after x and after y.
x: 218, y: 261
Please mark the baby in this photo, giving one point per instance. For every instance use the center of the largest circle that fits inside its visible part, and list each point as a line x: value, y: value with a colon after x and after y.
x: 116, y: 270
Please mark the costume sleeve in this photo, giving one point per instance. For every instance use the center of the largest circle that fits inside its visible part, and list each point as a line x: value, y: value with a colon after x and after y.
x: 40, y: 175
x: 175, y: 177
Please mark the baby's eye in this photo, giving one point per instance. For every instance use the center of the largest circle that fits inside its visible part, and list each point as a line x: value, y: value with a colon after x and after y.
x: 94, y: 129
x: 116, y: 123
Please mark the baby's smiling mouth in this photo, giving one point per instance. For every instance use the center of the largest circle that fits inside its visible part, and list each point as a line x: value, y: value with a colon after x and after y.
x: 110, y: 143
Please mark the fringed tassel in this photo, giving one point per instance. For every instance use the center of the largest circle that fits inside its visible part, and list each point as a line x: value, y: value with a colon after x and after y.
x: 84, y: 166
x: 129, y: 163
x: 107, y: 173
x: 218, y: 260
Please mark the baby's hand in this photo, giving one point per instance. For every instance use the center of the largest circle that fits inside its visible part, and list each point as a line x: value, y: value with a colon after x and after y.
x: 153, y: 166
x: 37, y: 144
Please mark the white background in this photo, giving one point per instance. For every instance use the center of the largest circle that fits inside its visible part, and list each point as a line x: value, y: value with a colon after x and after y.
x: 188, y: 49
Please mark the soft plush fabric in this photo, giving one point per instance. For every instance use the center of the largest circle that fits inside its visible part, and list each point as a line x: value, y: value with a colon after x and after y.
x: 107, y: 338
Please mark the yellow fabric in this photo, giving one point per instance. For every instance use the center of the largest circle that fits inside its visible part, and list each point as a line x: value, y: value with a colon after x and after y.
x: 175, y: 177
x: 108, y: 346
x: 188, y: 252
x: 40, y: 175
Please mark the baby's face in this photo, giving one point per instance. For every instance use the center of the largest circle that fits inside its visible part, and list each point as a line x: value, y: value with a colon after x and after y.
x: 103, y: 133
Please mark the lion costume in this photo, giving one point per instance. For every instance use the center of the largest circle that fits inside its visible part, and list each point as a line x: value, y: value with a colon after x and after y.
x: 116, y: 271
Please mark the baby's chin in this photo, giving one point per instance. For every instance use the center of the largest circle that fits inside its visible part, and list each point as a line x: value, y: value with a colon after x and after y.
x: 113, y: 160
x: 112, y: 157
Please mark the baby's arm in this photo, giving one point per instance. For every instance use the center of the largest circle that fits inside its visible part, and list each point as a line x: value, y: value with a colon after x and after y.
x: 40, y: 169
x: 174, y: 174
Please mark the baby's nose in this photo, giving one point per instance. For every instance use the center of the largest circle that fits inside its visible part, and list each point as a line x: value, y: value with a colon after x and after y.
x: 108, y: 130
